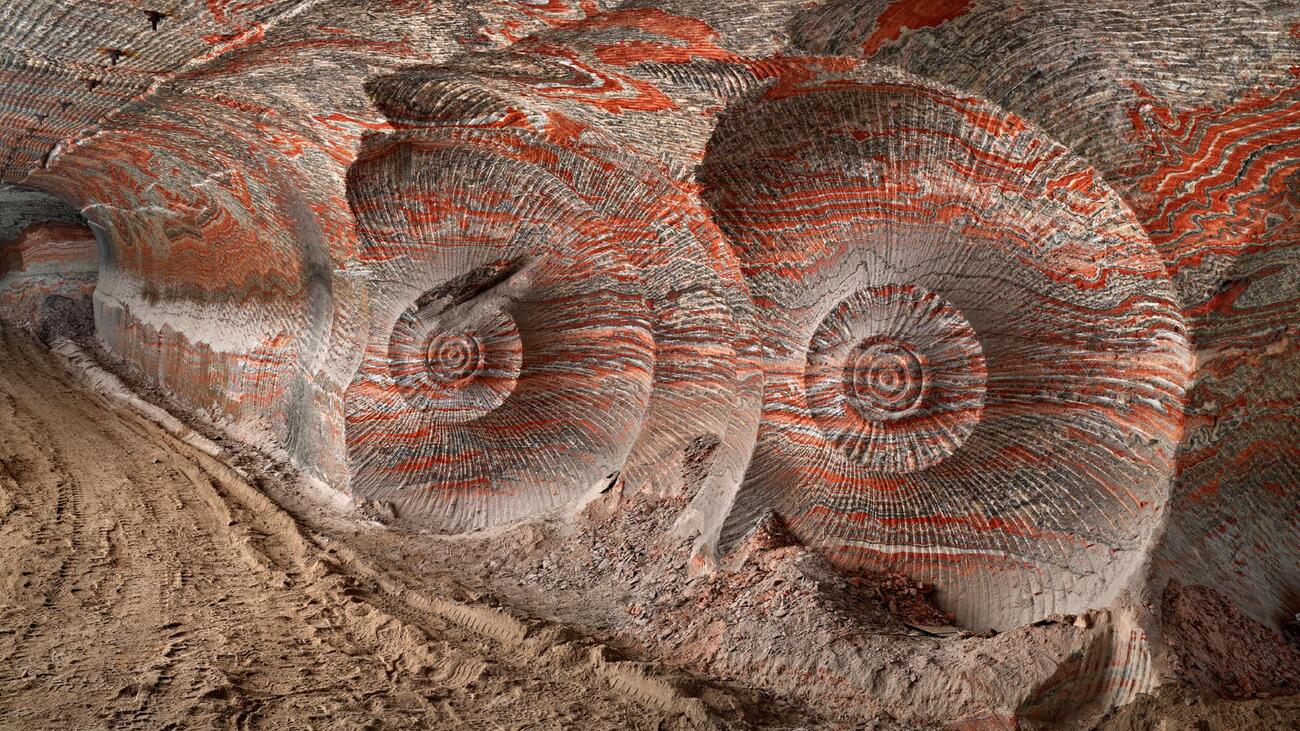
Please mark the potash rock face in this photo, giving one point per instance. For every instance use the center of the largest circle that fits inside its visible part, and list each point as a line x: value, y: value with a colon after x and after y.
x: 1002, y: 295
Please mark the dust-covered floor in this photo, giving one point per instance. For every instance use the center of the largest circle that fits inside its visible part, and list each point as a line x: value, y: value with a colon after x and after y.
x: 144, y: 585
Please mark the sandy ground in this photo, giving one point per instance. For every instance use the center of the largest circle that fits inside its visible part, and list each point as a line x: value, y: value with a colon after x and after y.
x: 144, y: 586
x: 1174, y: 709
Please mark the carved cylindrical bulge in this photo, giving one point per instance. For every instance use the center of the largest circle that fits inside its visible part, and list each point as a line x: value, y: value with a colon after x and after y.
x: 974, y: 366
x: 518, y: 359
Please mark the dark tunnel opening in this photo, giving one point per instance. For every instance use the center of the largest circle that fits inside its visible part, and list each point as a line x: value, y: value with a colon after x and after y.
x: 49, y: 265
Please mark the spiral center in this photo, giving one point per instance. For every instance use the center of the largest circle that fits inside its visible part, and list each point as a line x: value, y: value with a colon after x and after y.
x: 895, y: 377
x: 454, y: 358
x: 885, y: 378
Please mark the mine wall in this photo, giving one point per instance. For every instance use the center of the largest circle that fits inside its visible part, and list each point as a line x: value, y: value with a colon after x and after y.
x: 1001, y: 296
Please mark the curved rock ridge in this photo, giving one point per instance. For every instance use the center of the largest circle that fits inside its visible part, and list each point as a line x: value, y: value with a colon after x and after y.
x: 999, y: 294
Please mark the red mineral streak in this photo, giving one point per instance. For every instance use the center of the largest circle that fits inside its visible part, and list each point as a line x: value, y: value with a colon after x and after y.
x: 905, y: 14
x: 1222, y: 172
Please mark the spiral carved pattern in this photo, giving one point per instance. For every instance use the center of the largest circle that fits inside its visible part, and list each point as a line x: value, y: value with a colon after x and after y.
x: 975, y: 368
x: 554, y: 329
x: 895, y: 378
x: 885, y: 379
x: 455, y: 358
x: 515, y: 320
x: 454, y: 375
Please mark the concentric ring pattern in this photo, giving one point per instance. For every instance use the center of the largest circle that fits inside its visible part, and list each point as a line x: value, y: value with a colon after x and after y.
x: 519, y: 356
x: 975, y: 367
x: 452, y: 372
x: 895, y: 378
x: 567, y: 312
